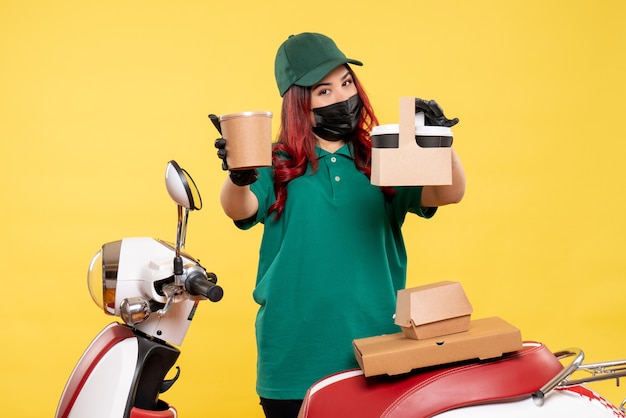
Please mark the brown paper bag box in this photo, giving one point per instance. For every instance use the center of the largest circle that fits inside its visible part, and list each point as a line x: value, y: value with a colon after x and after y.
x: 433, y: 310
x: 436, y: 329
x: 395, y: 354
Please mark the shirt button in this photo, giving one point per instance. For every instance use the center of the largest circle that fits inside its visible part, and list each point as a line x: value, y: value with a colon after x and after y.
x: 333, y: 159
x: 337, y: 178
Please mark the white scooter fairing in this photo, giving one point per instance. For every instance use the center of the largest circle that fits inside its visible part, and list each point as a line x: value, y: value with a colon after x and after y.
x: 155, y: 289
x: 574, y: 401
x: 115, y: 365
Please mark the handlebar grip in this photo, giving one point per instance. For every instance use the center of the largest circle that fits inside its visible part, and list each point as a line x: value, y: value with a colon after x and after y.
x: 199, y: 285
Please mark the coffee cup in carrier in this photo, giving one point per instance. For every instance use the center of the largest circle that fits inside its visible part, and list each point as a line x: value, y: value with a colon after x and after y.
x: 388, y: 136
x: 248, y: 138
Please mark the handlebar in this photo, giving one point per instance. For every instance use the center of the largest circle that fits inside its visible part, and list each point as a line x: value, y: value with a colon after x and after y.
x: 197, y: 283
x: 578, y: 355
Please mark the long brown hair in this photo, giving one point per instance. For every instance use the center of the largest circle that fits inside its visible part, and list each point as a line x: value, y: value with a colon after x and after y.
x: 295, y: 148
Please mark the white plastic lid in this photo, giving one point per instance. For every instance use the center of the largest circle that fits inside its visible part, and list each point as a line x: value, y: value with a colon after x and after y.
x: 433, y: 131
x: 419, y: 130
x: 386, y: 129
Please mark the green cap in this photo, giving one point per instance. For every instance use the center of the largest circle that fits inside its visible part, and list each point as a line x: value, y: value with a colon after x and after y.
x: 305, y: 59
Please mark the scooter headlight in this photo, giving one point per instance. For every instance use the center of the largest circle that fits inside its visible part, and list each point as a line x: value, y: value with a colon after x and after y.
x: 134, y: 311
x: 102, y: 276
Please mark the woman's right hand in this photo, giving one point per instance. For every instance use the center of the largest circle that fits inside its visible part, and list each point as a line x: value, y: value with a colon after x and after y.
x: 238, y: 177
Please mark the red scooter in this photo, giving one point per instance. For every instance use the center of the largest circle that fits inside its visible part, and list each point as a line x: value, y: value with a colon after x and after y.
x: 155, y: 288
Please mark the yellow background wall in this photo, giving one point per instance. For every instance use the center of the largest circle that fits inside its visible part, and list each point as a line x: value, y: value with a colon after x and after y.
x: 96, y: 97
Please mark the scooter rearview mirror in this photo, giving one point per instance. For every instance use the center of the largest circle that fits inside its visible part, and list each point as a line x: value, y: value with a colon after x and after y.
x: 183, y: 190
x: 181, y: 187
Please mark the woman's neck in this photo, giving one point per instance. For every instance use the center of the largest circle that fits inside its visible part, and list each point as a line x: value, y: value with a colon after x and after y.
x: 329, y: 146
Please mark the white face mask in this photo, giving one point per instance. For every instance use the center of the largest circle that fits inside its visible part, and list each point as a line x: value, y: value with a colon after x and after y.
x: 338, y: 120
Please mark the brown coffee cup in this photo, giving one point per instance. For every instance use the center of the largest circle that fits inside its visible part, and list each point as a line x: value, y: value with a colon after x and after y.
x: 248, y: 138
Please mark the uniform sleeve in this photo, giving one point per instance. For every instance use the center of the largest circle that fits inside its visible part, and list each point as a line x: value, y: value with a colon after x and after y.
x: 263, y: 189
x: 409, y: 199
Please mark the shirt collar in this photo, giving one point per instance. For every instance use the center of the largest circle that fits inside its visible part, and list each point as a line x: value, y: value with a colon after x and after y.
x: 346, y: 151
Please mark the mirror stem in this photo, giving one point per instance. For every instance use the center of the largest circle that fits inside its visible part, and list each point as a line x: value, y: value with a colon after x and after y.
x: 179, y: 231
x: 183, y: 237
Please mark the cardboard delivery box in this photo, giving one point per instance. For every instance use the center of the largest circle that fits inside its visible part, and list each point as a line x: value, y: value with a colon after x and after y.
x: 433, y: 310
x: 409, y: 153
x: 395, y: 354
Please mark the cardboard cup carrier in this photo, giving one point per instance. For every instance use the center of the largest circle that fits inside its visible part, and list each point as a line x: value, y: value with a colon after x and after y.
x: 248, y: 138
x: 409, y: 153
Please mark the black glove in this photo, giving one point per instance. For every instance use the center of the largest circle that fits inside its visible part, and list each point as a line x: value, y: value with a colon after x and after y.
x: 433, y: 114
x: 238, y: 177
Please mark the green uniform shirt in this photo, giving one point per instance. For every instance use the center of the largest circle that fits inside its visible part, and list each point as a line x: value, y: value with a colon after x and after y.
x: 329, y: 271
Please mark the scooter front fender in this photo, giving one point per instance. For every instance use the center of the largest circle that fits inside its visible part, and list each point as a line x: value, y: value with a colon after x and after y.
x: 110, y: 378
